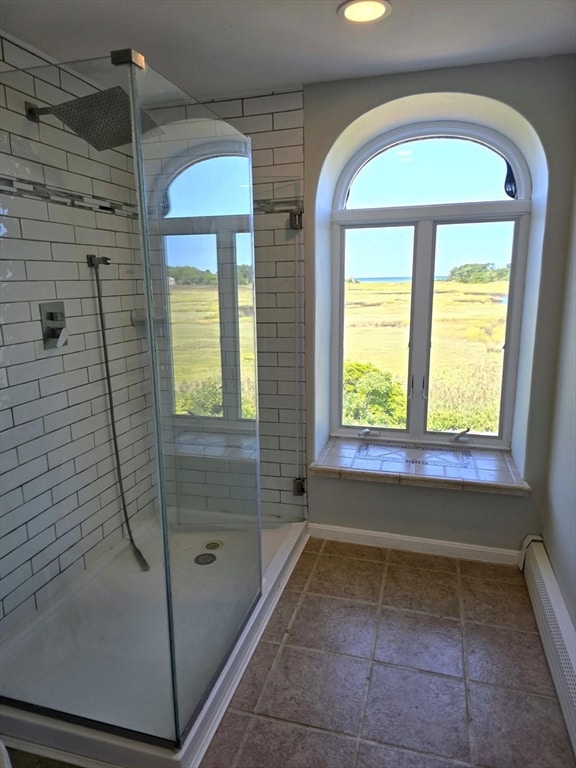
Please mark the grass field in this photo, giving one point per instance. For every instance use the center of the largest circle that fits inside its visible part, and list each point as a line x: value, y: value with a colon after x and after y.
x: 466, y: 351
x: 466, y: 347
x: 196, y: 348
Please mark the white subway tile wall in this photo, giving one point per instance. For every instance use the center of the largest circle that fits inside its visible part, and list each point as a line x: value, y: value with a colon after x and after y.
x: 278, y: 169
x: 59, y: 493
x: 59, y: 504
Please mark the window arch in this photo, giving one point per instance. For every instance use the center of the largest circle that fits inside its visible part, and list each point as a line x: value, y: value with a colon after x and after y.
x: 486, y: 140
x: 428, y: 269
x: 210, y: 186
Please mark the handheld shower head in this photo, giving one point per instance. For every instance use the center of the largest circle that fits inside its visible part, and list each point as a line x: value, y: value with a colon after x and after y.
x: 102, y: 118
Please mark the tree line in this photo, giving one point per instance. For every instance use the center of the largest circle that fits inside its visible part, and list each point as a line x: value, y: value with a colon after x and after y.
x: 195, y: 276
x: 478, y: 273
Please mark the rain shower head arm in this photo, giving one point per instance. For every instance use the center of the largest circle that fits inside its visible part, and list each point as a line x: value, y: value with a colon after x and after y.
x: 33, y: 112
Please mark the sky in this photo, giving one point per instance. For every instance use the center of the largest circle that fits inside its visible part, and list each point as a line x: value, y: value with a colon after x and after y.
x: 419, y: 173
x: 413, y: 173
x: 220, y: 185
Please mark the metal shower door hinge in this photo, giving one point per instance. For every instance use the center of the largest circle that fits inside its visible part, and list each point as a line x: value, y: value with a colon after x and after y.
x: 296, y: 218
x: 299, y: 486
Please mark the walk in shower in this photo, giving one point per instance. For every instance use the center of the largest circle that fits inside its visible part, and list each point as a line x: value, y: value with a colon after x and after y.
x: 135, y: 418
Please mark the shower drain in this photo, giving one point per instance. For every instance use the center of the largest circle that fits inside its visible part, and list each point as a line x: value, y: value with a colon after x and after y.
x: 213, y: 545
x: 205, y: 558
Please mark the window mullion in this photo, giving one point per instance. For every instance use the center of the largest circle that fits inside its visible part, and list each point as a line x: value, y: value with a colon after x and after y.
x: 229, y: 328
x: 337, y: 327
x: 420, y: 326
x: 512, y: 341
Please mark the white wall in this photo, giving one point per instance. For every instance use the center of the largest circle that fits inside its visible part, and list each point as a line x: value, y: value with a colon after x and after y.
x: 541, y: 93
x: 559, y: 519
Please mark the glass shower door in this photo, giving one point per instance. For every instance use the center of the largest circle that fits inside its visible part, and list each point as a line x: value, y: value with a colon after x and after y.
x: 195, y: 194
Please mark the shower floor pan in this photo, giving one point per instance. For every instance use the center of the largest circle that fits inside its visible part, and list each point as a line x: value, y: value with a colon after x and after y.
x: 100, y: 651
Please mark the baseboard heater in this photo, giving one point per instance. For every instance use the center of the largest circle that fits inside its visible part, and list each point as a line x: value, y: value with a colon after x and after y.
x: 555, y: 626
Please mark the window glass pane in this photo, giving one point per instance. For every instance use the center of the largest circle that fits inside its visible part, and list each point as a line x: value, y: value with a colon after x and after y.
x: 377, y: 299
x: 471, y: 287
x: 213, y: 187
x: 427, y: 172
x: 195, y: 324
x: 246, y: 335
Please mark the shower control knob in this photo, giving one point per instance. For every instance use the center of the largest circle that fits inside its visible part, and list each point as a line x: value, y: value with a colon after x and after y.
x: 62, y: 338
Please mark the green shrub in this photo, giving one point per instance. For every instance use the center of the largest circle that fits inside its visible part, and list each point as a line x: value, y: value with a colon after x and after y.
x: 204, y: 398
x: 199, y: 398
x: 372, y: 396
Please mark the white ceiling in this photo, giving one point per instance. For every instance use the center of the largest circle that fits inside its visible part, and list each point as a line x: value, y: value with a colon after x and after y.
x: 219, y: 48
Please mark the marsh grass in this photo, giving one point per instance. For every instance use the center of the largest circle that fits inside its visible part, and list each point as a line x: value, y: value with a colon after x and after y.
x: 196, y: 349
x: 466, y: 346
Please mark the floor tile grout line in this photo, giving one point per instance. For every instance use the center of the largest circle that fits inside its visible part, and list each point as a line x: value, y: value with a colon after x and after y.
x: 379, y: 605
x: 254, y: 718
x: 299, y: 725
x: 283, y: 642
x: 419, y: 752
x: 371, y: 603
x: 472, y: 747
x: 239, y: 749
x: 374, y: 642
x: 254, y: 713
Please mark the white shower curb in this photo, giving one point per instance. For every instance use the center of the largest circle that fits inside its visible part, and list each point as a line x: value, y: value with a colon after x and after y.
x: 59, y: 740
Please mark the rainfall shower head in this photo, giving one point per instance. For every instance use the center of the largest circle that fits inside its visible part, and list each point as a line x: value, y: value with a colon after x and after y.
x: 102, y: 118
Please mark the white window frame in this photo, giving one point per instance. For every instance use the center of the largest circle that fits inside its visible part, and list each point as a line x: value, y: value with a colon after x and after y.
x: 425, y: 219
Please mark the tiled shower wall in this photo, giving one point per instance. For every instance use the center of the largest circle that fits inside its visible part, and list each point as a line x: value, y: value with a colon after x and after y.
x: 63, y: 200
x: 60, y: 504
x: 275, y: 125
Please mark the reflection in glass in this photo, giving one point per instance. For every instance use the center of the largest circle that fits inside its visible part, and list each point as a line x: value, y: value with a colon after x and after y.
x: 216, y: 186
x: 470, y: 302
x: 195, y: 324
x: 247, y: 341
x: 377, y: 301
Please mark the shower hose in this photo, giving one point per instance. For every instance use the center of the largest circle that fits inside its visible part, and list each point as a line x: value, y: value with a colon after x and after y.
x: 94, y: 262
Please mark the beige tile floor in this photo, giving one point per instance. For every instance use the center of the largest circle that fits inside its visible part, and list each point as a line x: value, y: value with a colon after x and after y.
x: 377, y: 658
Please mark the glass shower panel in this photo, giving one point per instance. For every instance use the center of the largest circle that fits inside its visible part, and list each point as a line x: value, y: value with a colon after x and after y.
x: 195, y: 189
x: 194, y: 302
x: 246, y: 330
x: 85, y: 630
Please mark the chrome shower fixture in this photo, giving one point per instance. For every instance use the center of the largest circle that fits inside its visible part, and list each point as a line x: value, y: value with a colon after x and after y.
x: 102, y: 118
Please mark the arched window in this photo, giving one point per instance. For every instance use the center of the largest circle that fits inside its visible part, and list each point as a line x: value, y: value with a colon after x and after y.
x: 207, y: 248
x: 429, y: 232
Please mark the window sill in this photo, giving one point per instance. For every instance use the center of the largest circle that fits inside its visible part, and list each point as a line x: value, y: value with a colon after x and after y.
x: 462, y: 468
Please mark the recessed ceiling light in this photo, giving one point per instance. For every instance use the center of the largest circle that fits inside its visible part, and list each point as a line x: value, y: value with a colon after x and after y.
x: 365, y: 10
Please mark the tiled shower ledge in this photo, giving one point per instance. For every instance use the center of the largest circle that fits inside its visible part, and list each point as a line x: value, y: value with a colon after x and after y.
x: 462, y: 468
x: 216, y: 445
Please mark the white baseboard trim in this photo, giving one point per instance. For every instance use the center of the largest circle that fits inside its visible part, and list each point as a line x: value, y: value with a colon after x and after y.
x: 557, y: 632
x: 415, y: 544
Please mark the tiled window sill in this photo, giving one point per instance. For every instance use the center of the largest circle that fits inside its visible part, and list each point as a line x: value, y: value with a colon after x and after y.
x: 462, y: 468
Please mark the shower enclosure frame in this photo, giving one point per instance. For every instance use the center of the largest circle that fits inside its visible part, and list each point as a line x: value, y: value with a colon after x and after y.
x: 134, y: 61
